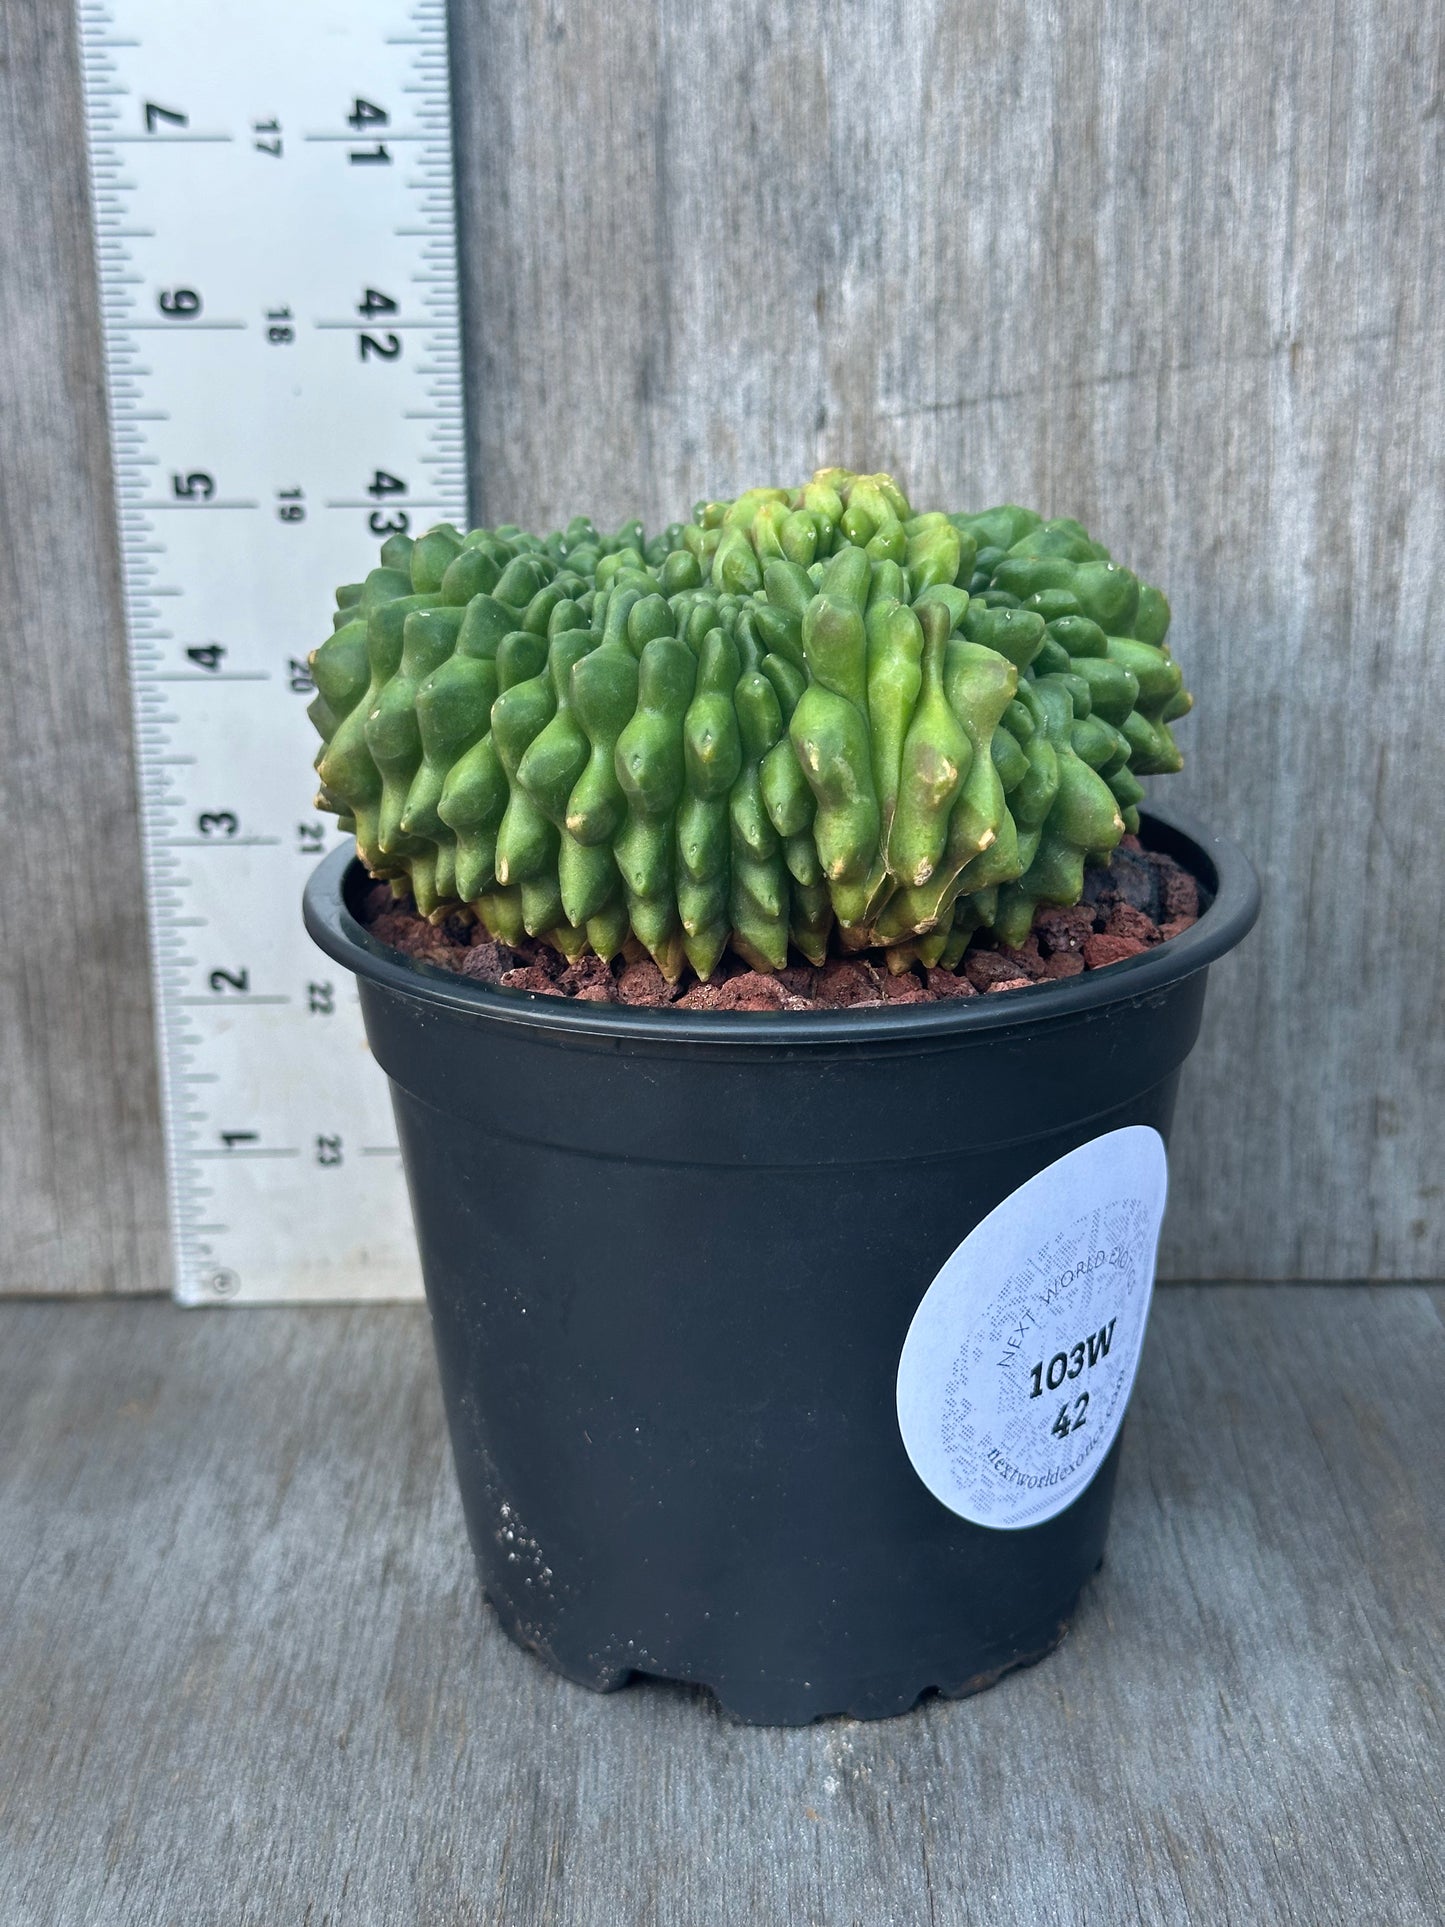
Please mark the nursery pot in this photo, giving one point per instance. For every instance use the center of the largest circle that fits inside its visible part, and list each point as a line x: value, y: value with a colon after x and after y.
x: 787, y: 1353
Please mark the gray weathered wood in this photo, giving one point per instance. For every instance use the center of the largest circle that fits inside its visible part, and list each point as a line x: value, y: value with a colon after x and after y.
x: 82, y: 1206
x: 1177, y: 271
x: 245, y: 1673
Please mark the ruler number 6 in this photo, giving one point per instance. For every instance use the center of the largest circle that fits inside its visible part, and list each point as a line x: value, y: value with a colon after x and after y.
x: 179, y: 303
x: 195, y: 487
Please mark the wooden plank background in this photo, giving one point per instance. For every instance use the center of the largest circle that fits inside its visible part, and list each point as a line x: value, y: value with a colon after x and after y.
x: 1175, y: 270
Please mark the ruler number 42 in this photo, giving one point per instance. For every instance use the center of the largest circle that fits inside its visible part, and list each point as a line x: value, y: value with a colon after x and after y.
x: 384, y: 344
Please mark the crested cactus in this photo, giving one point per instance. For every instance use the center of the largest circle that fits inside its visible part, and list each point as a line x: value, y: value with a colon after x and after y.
x: 806, y: 711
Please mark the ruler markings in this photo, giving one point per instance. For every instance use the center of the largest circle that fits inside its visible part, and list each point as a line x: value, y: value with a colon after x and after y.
x: 251, y: 244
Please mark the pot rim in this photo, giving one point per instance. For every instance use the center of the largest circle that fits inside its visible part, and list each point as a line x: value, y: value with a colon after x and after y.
x: 1215, y: 860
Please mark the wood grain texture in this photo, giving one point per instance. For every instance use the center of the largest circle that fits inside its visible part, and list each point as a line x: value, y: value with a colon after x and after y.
x: 1177, y: 271
x: 82, y: 1205
x: 246, y: 1675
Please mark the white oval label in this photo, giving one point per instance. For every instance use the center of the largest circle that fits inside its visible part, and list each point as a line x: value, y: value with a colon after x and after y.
x: 1019, y: 1362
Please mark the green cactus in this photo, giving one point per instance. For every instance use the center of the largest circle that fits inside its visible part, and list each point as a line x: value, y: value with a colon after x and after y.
x: 805, y: 712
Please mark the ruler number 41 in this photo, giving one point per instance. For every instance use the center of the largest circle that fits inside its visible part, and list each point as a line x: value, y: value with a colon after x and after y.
x: 365, y: 114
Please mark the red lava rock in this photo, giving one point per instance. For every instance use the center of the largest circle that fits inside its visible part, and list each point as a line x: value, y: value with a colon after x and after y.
x: 987, y: 968
x: 543, y: 957
x: 1063, y: 963
x: 1026, y: 961
x: 1140, y: 899
x: 1180, y: 893
x: 843, y: 985
x: 798, y: 979
x: 1131, y: 843
x: 751, y: 991
x: 486, y: 960
x: 701, y: 997
x: 904, y: 988
x: 532, y: 977
x: 1102, y: 950
x: 418, y: 939
x: 590, y: 980
x: 1125, y: 921
x: 644, y: 983
x: 1063, y: 930
x: 947, y: 983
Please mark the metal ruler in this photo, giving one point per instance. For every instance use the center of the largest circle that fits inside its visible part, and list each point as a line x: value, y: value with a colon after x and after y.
x: 274, y: 222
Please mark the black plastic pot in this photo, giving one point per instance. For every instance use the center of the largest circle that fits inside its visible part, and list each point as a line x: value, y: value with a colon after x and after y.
x: 672, y: 1259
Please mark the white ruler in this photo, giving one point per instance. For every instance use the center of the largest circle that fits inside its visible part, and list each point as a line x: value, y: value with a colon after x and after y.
x: 273, y: 198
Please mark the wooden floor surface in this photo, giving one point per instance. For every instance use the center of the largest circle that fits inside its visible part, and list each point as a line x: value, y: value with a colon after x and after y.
x: 246, y: 1675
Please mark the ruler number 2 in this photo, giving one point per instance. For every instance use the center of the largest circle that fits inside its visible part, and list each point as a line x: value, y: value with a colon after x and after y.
x: 328, y: 1149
